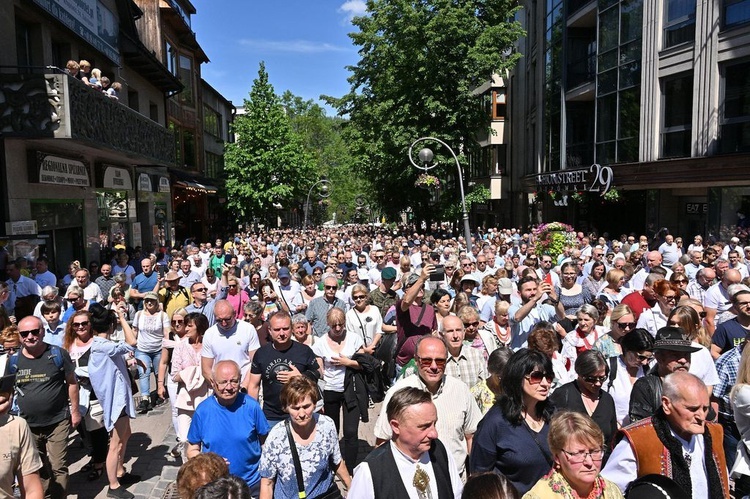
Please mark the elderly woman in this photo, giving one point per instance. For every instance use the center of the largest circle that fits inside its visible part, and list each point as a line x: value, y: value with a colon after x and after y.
x: 49, y: 293
x: 309, y: 291
x: 622, y: 320
x: 633, y: 363
x: 315, y: 438
x: 364, y: 319
x: 585, y: 394
x: 701, y: 361
x: 497, y: 331
x: 512, y: 437
x: 612, y: 294
x: 585, y: 334
x: 301, y: 330
x: 334, y: 351
x: 577, y: 444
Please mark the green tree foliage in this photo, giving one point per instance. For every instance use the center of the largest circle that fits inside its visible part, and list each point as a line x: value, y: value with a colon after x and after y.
x: 267, y: 164
x: 332, y: 155
x: 419, y: 61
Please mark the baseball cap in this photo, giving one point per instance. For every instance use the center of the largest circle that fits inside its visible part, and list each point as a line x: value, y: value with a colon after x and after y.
x: 504, y: 286
x: 284, y: 272
x: 151, y: 296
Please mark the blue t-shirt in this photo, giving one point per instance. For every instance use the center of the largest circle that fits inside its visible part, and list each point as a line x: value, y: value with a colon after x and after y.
x: 143, y: 284
x: 232, y: 432
x: 728, y: 335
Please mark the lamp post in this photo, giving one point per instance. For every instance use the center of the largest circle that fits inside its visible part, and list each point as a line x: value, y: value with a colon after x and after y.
x: 425, y: 156
x: 324, y: 193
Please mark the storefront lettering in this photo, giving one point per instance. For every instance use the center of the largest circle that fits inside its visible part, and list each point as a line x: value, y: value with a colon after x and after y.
x: 596, y: 178
x: 62, y: 171
x: 144, y: 183
x: 117, y: 178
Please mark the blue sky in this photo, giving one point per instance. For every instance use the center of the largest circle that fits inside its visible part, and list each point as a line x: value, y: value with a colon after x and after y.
x: 304, y: 44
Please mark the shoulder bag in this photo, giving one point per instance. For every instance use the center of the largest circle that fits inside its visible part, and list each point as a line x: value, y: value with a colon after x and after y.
x: 332, y: 493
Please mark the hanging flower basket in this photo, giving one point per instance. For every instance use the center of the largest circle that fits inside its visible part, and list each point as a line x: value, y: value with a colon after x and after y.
x: 427, y: 181
x: 613, y: 196
x: 552, y: 238
x: 552, y: 195
x: 577, y: 197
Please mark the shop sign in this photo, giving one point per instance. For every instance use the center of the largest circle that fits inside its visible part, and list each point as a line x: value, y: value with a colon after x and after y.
x: 21, y: 227
x: 63, y: 171
x: 696, y: 208
x: 596, y: 178
x: 144, y: 183
x: 117, y: 178
x: 163, y: 184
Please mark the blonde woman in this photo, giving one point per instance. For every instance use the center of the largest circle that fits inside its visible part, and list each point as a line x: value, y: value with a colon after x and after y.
x: 622, y: 321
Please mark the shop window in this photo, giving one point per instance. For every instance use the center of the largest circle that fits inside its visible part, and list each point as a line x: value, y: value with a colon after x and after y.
x: 736, y: 12
x: 677, y: 117
x: 679, y: 22
x: 735, y: 123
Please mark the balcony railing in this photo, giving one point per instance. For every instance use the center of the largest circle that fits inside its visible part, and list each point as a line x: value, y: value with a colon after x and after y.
x: 582, y: 71
x: 59, y: 106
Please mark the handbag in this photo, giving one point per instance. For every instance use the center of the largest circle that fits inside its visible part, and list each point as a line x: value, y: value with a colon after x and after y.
x: 332, y: 493
x: 94, y: 418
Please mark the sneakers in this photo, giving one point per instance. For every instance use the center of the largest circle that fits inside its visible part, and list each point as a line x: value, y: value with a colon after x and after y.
x: 176, y: 450
x: 159, y: 401
x: 128, y: 479
x: 119, y: 493
x: 143, y: 407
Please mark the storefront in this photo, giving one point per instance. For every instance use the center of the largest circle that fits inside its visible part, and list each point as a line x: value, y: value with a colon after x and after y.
x: 154, y: 208
x: 115, y: 201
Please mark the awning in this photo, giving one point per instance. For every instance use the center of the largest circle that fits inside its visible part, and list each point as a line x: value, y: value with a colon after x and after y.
x: 197, y: 187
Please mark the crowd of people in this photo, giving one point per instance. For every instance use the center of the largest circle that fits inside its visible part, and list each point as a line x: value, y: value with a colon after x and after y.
x: 610, y: 369
x: 93, y: 78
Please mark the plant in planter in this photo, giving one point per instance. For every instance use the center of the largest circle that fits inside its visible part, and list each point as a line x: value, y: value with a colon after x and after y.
x: 427, y: 181
x: 613, y: 196
x: 578, y: 197
x: 552, y: 238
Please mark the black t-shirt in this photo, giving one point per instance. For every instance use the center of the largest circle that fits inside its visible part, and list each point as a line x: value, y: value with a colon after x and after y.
x: 42, y: 390
x: 268, y: 361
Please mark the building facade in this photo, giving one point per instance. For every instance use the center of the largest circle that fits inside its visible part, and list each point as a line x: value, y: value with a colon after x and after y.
x: 81, y: 170
x: 649, y: 100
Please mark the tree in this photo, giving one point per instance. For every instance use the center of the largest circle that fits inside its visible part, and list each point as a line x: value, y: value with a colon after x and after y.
x: 419, y: 61
x: 333, y: 155
x: 267, y: 164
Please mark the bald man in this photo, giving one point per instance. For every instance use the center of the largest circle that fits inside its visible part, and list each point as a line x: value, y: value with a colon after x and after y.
x: 717, y: 299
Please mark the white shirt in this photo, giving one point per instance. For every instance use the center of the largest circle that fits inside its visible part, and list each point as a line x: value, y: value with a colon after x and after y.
x: 90, y: 292
x: 621, y: 390
x: 235, y: 344
x: 717, y: 298
x: 623, y: 469
x: 366, y: 324
x: 702, y: 365
x: 361, y: 486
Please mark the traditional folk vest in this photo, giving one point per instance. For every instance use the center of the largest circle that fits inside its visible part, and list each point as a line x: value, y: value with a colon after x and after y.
x: 652, y: 456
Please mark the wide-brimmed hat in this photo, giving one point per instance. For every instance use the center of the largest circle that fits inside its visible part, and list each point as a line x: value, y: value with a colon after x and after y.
x: 674, y: 339
x: 172, y: 276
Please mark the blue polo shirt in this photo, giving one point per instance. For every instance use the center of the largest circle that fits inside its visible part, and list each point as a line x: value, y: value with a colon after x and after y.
x: 232, y: 432
x: 143, y: 284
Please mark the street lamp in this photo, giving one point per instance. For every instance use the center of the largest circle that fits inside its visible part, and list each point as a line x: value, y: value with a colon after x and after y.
x: 425, y: 156
x: 324, y: 193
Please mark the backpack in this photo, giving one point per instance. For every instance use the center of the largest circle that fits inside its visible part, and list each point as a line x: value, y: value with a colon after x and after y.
x: 182, y: 291
x: 57, y: 356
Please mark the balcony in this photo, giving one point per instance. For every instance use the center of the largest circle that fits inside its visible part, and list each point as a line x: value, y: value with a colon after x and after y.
x: 37, y: 106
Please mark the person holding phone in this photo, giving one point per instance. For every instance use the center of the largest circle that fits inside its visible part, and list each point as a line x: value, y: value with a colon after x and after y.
x: 524, y: 316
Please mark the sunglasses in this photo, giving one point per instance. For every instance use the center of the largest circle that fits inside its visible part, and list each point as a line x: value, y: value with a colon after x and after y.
x: 426, y: 363
x: 79, y: 325
x: 200, y: 290
x: 332, y: 287
x: 177, y: 323
x: 359, y: 297
x: 595, y: 379
x: 681, y: 281
x: 10, y: 350
x: 32, y: 332
x: 536, y: 377
x: 471, y: 324
x: 626, y: 325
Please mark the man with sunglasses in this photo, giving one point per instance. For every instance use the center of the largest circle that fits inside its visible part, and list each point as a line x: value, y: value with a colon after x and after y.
x: 458, y: 413
x: 47, y: 397
x: 675, y: 441
x: 202, y: 303
x: 172, y: 295
x: 318, y: 308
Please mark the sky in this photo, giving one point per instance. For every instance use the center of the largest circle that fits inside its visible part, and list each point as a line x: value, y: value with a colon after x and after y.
x: 303, y: 43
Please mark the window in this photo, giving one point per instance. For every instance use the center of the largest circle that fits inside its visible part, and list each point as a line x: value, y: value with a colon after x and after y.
x: 736, y: 12
x: 28, y: 38
x: 211, y: 122
x: 677, y: 117
x: 174, y: 128
x: 735, y: 123
x: 499, y: 109
x: 214, y: 165
x: 188, y: 139
x: 133, y: 100
x: 186, y: 77
x: 171, y: 56
x: 679, y: 22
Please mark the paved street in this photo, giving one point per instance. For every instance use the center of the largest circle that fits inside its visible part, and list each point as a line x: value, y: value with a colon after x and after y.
x: 148, y: 456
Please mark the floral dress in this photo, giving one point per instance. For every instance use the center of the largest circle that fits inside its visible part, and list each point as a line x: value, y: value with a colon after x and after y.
x: 554, y: 485
x: 316, y: 459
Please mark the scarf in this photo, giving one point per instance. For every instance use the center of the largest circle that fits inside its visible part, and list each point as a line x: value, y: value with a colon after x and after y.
x: 679, y: 466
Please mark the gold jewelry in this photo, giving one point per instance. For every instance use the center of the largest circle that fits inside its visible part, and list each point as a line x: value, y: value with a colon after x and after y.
x: 421, y: 480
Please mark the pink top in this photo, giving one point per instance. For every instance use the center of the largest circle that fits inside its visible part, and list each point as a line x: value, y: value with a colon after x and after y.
x: 184, y: 356
x: 238, y: 302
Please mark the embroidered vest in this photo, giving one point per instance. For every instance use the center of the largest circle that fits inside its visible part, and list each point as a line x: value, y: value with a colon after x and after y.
x: 386, y: 482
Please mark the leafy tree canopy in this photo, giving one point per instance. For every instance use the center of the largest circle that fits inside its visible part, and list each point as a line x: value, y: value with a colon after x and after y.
x: 419, y: 61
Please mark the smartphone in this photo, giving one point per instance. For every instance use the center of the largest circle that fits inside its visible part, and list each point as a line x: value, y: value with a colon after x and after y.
x: 7, y: 383
x: 438, y: 274
x: 435, y: 256
x: 161, y: 272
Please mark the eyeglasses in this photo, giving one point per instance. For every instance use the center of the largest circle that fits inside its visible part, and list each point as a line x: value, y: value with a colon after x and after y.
x: 358, y: 297
x: 680, y: 281
x: 223, y: 383
x: 232, y: 285
x: 33, y: 332
x: 580, y: 456
x: 226, y: 319
x: 536, y: 377
x: 177, y: 323
x: 671, y: 298
x: 626, y: 325
x: 594, y: 379
x: 471, y: 324
x: 332, y: 287
x: 426, y: 363
x: 466, y: 265
x: 644, y: 358
x: 200, y: 290
x: 79, y: 325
